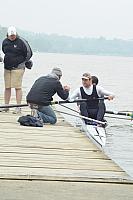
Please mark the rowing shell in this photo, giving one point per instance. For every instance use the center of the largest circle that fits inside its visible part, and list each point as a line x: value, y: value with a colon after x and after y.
x: 96, y: 134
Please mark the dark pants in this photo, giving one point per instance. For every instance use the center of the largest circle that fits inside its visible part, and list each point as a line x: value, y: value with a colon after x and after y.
x: 97, y: 113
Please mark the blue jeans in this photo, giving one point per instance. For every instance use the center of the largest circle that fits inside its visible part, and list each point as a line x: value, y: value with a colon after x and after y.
x: 47, y: 114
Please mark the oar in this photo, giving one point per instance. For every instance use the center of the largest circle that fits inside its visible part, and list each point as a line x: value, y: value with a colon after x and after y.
x: 105, y: 116
x: 116, y: 117
x: 131, y: 111
x: 13, y: 105
x: 82, y: 117
x: 49, y: 103
x: 70, y: 108
x: 75, y: 101
x: 120, y: 113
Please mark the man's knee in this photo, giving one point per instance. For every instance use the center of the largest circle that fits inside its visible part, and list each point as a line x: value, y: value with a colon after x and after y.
x: 83, y: 104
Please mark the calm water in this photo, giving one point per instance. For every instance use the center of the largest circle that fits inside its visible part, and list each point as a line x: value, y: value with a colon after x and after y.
x: 115, y: 74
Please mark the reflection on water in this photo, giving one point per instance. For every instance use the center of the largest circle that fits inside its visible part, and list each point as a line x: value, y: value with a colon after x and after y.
x: 115, y: 74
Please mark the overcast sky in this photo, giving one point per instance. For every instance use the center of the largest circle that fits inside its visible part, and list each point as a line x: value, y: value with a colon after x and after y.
x: 91, y: 18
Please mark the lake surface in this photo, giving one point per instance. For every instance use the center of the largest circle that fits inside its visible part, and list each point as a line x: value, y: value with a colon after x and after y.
x: 115, y: 74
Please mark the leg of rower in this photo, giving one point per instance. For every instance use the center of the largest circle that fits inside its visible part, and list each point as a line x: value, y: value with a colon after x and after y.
x: 101, y: 111
x: 83, y: 110
x: 87, y: 112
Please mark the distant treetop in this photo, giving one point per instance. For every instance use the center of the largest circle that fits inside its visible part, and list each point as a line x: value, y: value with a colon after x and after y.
x: 54, y: 43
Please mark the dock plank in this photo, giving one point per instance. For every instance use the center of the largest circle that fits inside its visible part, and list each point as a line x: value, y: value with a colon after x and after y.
x: 54, y: 154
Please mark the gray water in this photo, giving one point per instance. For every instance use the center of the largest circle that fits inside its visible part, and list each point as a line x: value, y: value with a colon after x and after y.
x: 115, y: 74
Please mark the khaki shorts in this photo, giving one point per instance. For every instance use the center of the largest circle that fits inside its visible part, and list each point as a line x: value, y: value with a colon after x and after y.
x: 13, y: 78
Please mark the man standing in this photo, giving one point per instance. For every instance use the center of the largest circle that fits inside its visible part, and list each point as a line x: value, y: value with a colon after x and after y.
x: 92, y: 92
x: 17, y: 53
x: 43, y: 91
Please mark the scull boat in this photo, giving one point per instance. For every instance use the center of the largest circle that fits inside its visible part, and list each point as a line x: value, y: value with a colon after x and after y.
x: 96, y: 133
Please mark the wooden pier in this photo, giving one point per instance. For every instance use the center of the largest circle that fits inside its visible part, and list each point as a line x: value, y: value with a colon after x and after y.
x: 56, y: 162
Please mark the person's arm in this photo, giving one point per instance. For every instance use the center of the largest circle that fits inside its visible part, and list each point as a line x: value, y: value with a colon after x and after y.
x: 63, y: 93
x: 3, y: 46
x: 75, y: 95
x: 26, y: 49
x: 102, y: 92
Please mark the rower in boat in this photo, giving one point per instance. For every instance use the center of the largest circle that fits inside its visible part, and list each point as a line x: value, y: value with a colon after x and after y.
x: 93, y: 108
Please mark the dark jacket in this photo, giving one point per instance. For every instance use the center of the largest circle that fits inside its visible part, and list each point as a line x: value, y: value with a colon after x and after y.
x: 44, y: 88
x: 16, y: 52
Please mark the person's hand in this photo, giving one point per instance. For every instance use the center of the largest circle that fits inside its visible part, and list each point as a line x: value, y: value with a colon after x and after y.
x: 66, y: 88
x: 111, y: 97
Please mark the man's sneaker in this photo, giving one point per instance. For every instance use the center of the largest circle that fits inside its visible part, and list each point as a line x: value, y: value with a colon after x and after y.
x: 4, y: 109
x: 17, y: 110
x: 38, y: 116
x: 35, y: 113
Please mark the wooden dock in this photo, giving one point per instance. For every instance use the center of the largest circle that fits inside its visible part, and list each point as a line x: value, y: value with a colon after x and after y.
x: 61, y: 162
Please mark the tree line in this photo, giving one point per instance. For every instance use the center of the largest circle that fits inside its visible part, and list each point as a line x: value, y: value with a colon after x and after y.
x: 53, y: 43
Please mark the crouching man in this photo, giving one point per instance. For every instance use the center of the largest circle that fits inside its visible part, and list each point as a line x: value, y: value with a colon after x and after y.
x: 42, y: 93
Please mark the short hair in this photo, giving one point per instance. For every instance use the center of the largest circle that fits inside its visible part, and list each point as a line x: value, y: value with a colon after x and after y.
x: 94, y: 80
x: 57, y: 71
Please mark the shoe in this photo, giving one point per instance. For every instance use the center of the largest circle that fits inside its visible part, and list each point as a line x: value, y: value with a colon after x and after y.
x: 94, y: 123
x: 104, y: 120
x: 91, y: 123
x: 17, y: 110
x: 34, y: 112
x: 38, y: 116
x: 87, y: 122
x: 4, y: 109
x: 102, y: 125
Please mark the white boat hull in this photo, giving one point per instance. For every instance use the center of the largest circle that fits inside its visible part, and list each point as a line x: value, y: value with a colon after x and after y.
x: 98, y: 134
x: 95, y: 133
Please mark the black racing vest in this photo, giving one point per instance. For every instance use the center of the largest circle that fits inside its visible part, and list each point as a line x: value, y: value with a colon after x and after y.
x: 93, y: 101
